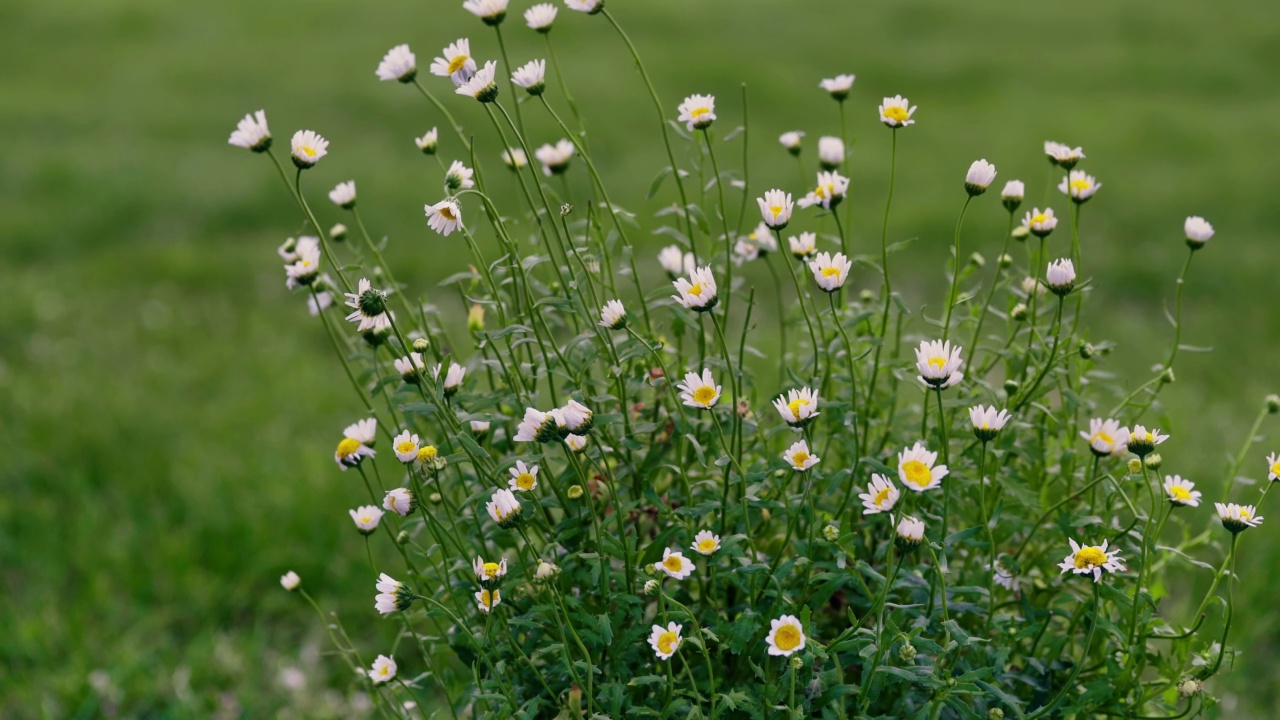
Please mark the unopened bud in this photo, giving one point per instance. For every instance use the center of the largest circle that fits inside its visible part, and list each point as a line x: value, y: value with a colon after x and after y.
x: 1086, y: 350
x: 475, y: 318
x: 907, y: 653
x: 831, y: 532
x: 421, y: 345
x: 435, y: 498
x: 866, y: 296
x: 995, y: 714
x: 338, y: 232
x: 1020, y: 233
x: 575, y: 492
x: 402, y: 538
x: 1190, y: 686
x: 1153, y: 461
x: 651, y: 587
x: 1019, y: 312
x: 1135, y: 466
x: 1005, y: 261
x: 797, y: 662
x: 976, y: 259
x: 1273, y: 404
x: 1011, y: 387
x: 1167, y: 377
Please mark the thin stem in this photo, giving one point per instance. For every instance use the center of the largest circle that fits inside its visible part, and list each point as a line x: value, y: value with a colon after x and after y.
x: 955, y: 272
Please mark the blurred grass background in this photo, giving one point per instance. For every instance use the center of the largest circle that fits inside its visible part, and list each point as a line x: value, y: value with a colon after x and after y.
x: 168, y: 410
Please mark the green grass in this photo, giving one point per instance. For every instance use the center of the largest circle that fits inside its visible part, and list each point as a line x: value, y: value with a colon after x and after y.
x: 168, y: 410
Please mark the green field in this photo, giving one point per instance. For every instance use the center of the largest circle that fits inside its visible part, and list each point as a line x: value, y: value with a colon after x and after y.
x: 168, y: 409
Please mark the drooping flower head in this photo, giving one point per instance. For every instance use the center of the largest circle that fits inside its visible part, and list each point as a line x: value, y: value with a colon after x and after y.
x: 697, y: 112
x: 799, y: 407
x: 459, y: 177
x: 699, y: 391
x: 393, y: 595
x: 896, y: 112
x: 1091, y: 560
x: 398, y: 64
x: 575, y: 443
x: 881, y: 495
x: 356, y: 444
x: 938, y: 363
x: 786, y: 636
x: 400, y: 501
x: 370, y: 307
x: 917, y: 468
x: 698, y: 293
x: 576, y: 418
x: 538, y: 426
x: 445, y: 216
x: 252, y: 133
x: 504, y: 509
x: 487, y: 599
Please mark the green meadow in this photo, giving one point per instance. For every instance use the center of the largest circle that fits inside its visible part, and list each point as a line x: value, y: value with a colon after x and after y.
x: 168, y: 410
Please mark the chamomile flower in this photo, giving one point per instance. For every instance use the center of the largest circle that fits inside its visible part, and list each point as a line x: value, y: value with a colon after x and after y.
x: 697, y: 112
x: 538, y: 426
x: 792, y: 141
x: 459, y: 177
x: 577, y: 418
x: 479, y: 428
x: 1005, y: 574
x: 830, y: 152
x: 400, y: 501
x: 613, y: 315
x: 591, y: 7
x: 980, y: 176
x: 676, y: 261
x: 987, y: 422
x: 489, y: 574
x: 1106, y: 437
x: 1143, y: 441
x: 909, y: 533
x: 939, y: 364
x: 392, y: 595
x: 366, y: 518
x: 344, y: 195
x: 491, y: 12
x: 555, y: 158
x: 896, y: 112
x: 917, y: 468
x: 881, y: 495
x: 1061, y: 155
x: 829, y: 271
x: 306, y: 148
x: 798, y: 408
x: 444, y: 217
x: 1198, y: 231
x: 487, y: 600
x: 531, y: 76
x: 665, y: 641
x: 541, y: 16
x: 699, y: 391
x: 504, y: 509
x: 831, y: 189
x: 805, y: 246
x: 1012, y: 194
x: 398, y: 64
x: 838, y: 86
x: 1060, y: 276
x: 1079, y: 185
x: 706, y: 543
x: 1273, y: 467
x: 744, y: 251
x: 1180, y: 491
x: 524, y: 478
x: 365, y: 431
x: 576, y: 443
x: 775, y: 208
x: 305, y: 269
x: 698, y: 293
x: 1091, y: 560
x: 456, y: 58
x: 674, y: 564
x: 763, y: 238
x: 290, y: 581
x: 384, y: 670
x: 406, y: 447
x: 428, y: 143
x: 799, y: 458
x: 370, y: 307
x: 410, y: 368
x: 1040, y: 223
x: 252, y: 133
x: 786, y: 636
x: 452, y: 379
x: 1238, y: 518
x: 351, y: 452
x: 481, y: 86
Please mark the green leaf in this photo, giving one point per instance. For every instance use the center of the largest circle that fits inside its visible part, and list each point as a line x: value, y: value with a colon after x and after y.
x: 657, y: 182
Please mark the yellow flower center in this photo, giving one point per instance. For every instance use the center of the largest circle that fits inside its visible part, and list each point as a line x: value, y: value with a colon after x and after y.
x: 1039, y: 219
x: 486, y: 598
x: 384, y: 670
x: 366, y: 519
x: 704, y: 395
x: 696, y: 290
x: 1275, y: 469
x: 699, y: 112
x: 1079, y: 186
x: 490, y: 570
x: 674, y: 563
x: 405, y: 447
x: 456, y: 64
x: 787, y: 638
x: 937, y: 363
x: 667, y: 642
x: 896, y: 113
x: 800, y: 458
x: 348, y: 447
x: 1090, y: 557
x: 427, y: 453
x: 795, y: 406
x: 447, y: 213
x: 525, y: 481
x: 1180, y: 493
x: 708, y: 546
x: 881, y: 496
x: 1102, y: 438
x: 776, y: 210
x: 307, y: 150
x: 823, y: 191
x: 830, y: 271
x: 1244, y: 514
x: 917, y: 472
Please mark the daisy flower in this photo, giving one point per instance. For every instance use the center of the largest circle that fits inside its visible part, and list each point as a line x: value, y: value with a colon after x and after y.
x: 987, y: 422
x: 576, y: 443
x: 392, y: 595
x: 698, y: 293
x: 410, y: 368
x: 1180, y: 491
x: 577, y: 417
x: 838, y: 86
x: 1106, y: 437
x: 370, y: 307
x: 459, y: 177
x: 365, y: 431
x: 344, y: 195
x: 775, y: 208
x: 792, y: 141
x: 939, y: 364
x: 489, y: 574
x: 515, y: 158
x: 1004, y: 576
x: 674, y: 564
x: 400, y: 501
x: 763, y: 238
x: 537, y: 426
x: 1061, y: 277
x: 830, y: 152
x: 504, y: 509
x: 523, y: 477
x: 252, y: 133
x: 1040, y: 223
x: 805, y: 246
x: 1091, y: 560
x: 479, y: 428
x: 366, y: 518
x: 351, y: 452
x: 540, y: 17
x: 305, y: 269
x: 829, y: 271
x: 444, y: 217
x: 1273, y: 467
x: 481, y: 86
x: 786, y: 636
x: 1012, y: 194
x: 384, y: 670
x: 452, y: 379
x: 980, y: 176
x: 591, y: 7
x: 697, y: 112
x: 428, y: 143
x: 909, y: 533
x: 290, y: 581
x: 307, y: 148
x: 491, y: 12
x: 706, y: 542
x: 487, y: 600
x: 798, y: 457
x: 1143, y: 441
x: 798, y: 408
x: 613, y: 316
x: 457, y: 58
x: 917, y: 469
x: 665, y: 641
x: 531, y: 76
x: 398, y: 64
x: 1238, y: 518
x: 832, y: 187
x: 1198, y: 231
x: 676, y: 261
x: 881, y: 495
x: 1061, y: 155
x: 555, y: 158
x: 896, y: 112
x: 1079, y: 185
x: 406, y: 447
x: 699, y: 391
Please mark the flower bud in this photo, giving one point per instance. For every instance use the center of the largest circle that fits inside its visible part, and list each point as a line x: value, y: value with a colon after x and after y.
x: 1167, y: 377
x: 1153, y: 461
x: 338, y: 233
x: 866, y: 296
x: 1011, y: 387
x: 977, y: 260
x: 796, y: 662
x: 1135, y: 466
x: 475, y: 319
x: 831, y: 532
x: 546, y: 571
x: 421, y: 345
x: 1020, y: 233
x: 402, y: 537
x: 575, y: 492
x: 651, y: 587
x: 907, y: 653
x: 1273, y: 404
x: 435, y: 498
x: 1005, y: 261
x: 1190, y: 686
x: 1087, y: 351
x: 995, y: 714
x: 1019, y: 312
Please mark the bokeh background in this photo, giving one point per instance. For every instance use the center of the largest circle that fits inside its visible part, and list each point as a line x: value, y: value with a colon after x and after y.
x: 168, y: 410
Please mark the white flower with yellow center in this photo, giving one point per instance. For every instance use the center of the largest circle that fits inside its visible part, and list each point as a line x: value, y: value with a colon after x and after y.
x: 896, y: 112
x: 356, y: 443
x: 531, y: 76
x: 798, y: 408
x: 987, y: 422
x: 400, y: 501
x: 917, y: 469
x: 1273, y: 467
x: 1060, y: 276
x: 304, y: 271
x: 699, y: 391
x: 697, y: 112
x: 344, y: 195
x: 830, y: 271
x: 406, y: 447
x: 481, y: 86
x: 364, y: 431
x: 698, y: 293
x: 706, y: 543
x: 576, y: 443
x: 939, y: 364
x: 676, y: 261
x: 393, y: 595
x: 674, y: 564
x: 489, y: 574
x: 290, y: 581
x: 459, y: 177
x: 555, y: 158
x: 980, y: 176
x: 591, y: 7
x: 881, y: 495
x: 1180, y: 491
x: 775, y: 208
x: 444, y: 217
x: 799, y: 457
x: 1198, y: 231
x: 1061, y: 155
x: 523, y: 477
x: 252, y: 133
x: 540, y: 17
x: 307, y: 148
x: 491, y: 12
x: 763, y: 238
x: 792, y: 141
x: 366, y: 518
x: 1143, y: 441
x: 831, y: 189
x: 1091, y: 560
x: 1040, y: 223
x: 909, y: 533
x: 830, y: 152
x: 398, y: 64
x: 838, y: 86
x: 384, y: 670
x: 613, y: 316
x: 786, y: 636
x: 487, y: 600
x: 452, y: 379
x: 665, y: 641
x: 428, y: 143
x: 370, y: 308
x: 456, y: 58
x: 1079, y: 185
x: 805, y: 246
x: 1012, y: 194
x: 504, y: 509
x: 1106, y: 437
x: 1238, y: 518
x: 515, y: 158
x: 410, y: 368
